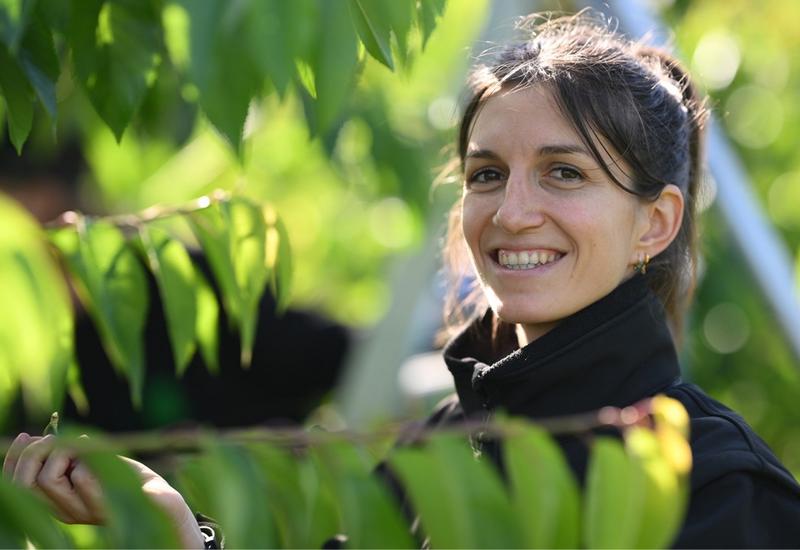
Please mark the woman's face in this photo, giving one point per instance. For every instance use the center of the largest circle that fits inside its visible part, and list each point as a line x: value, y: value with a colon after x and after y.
x: 547, y: 230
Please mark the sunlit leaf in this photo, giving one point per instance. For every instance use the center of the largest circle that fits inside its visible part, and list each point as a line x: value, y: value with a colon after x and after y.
x: 460, y: 500
x: 544, y: 492
x: 226, y: 86
x: 665, y: 489
x: 116, y: 47
x: 614, y: 497
x: 175, y: 275
x: 370, y: 18
x: 207, y: 328
x: 233, y: 235
x: 371, y: 519
x: 19, y: 100
x: 278, y: 258
x: 24, y: 516
x: 133, y: 520
x: 227, y: 484
x: 113, y: 287
x: 37, y: 345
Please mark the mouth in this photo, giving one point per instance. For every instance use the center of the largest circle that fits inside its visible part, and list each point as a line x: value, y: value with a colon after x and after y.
x: 521, y: 260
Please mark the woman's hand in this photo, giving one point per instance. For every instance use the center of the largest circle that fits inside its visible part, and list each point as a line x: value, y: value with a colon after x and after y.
x: 75, y: 494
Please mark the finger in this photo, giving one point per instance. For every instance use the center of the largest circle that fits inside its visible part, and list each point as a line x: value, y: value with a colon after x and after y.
x: 54, y: 482
x: 31, y: 460
x: 88, y: 488
x: 17, y: 446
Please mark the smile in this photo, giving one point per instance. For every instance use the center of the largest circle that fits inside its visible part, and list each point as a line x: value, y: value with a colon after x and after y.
x: 526, y: 259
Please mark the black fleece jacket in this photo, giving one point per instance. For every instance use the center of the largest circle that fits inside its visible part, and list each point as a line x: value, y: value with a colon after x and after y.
x: 616, y: 352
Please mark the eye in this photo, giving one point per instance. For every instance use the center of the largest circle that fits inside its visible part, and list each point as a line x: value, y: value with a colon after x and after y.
x: 566, y: 174
x: 485, y: 176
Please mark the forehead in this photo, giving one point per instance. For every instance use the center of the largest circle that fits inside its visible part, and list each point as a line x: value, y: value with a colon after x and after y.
x: 524, y: 118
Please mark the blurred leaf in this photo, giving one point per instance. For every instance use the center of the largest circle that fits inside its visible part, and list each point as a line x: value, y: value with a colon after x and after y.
x: 371, y: 519
x: 289, y: 509
x: 116, y: 47
x: 133, y: 520
x: 371, y: 20
x: 400, y: 15
x: 175, y: 275
x: 233, y: 235
x: 39, y: 61
x: 278, y: 258
x: 114, y: 290
x: 334, y: 62
x: 544, y: 492
x: 269, y: 37
x: 38, y: 343
x: 227, y: 484
x: 322, y: 519
x: 14, y: 17
x: 460, y: 500
x: 19, y: 100
x: 24, y: 516
x: 614, y: 497
x: 665, y: 489
x: 428, y: 11
x: 207, y: 328
x: 224, y: 72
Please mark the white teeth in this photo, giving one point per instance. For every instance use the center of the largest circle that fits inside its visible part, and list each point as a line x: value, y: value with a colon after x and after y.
x: 525, y: 259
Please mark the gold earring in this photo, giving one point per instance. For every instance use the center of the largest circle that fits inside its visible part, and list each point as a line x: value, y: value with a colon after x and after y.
x: 641, y: 265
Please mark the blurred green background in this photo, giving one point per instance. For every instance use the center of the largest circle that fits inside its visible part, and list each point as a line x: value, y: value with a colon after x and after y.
x: 358, y: 198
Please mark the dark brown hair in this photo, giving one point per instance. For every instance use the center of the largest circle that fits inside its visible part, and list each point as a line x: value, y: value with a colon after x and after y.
x: 636, y: 97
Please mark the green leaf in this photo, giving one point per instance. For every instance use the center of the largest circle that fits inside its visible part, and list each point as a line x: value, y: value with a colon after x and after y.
x: 544, y: 492
x: 117, y: 46
x: 278, y: 258
x: 19, y: 100
x: 39, y: 61
x: 322, y: 518
x: 428, y: 11
x: 233, y: 235
x: 400, y: 15
x: 14, y: 17
x: 373, y: 26
x: 37, y: 345
x: 614, y: 497
x: 666, y: 491
x: 460, y: 500
x: 133, y: 519
x: 226, y: 86
x: 24, y: 516
x: 334, y: 62
x: 227, y: 484
x: 175, y: 275
x: 207, y: 328
x: 269, y: 37
x: 113, y: 287
x: 371, y: 518
x: 290, y: 510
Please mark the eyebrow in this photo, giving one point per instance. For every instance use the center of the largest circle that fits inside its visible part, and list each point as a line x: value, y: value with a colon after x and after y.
x: 544, y: 150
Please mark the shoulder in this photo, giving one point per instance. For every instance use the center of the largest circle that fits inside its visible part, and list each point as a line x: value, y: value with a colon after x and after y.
x: 722, y: 442
x: 741, y: 495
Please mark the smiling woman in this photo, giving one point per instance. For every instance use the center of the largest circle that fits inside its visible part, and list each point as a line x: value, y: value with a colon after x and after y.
x: 581, y: 166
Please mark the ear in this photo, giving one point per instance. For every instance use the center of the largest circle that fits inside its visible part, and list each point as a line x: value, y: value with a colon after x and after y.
x: 661, y: 223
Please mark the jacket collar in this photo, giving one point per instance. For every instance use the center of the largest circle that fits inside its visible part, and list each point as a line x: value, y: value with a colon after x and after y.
x: 615, y: 352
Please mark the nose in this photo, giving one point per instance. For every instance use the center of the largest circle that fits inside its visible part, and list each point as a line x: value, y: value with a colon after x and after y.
x: 522, y: 206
